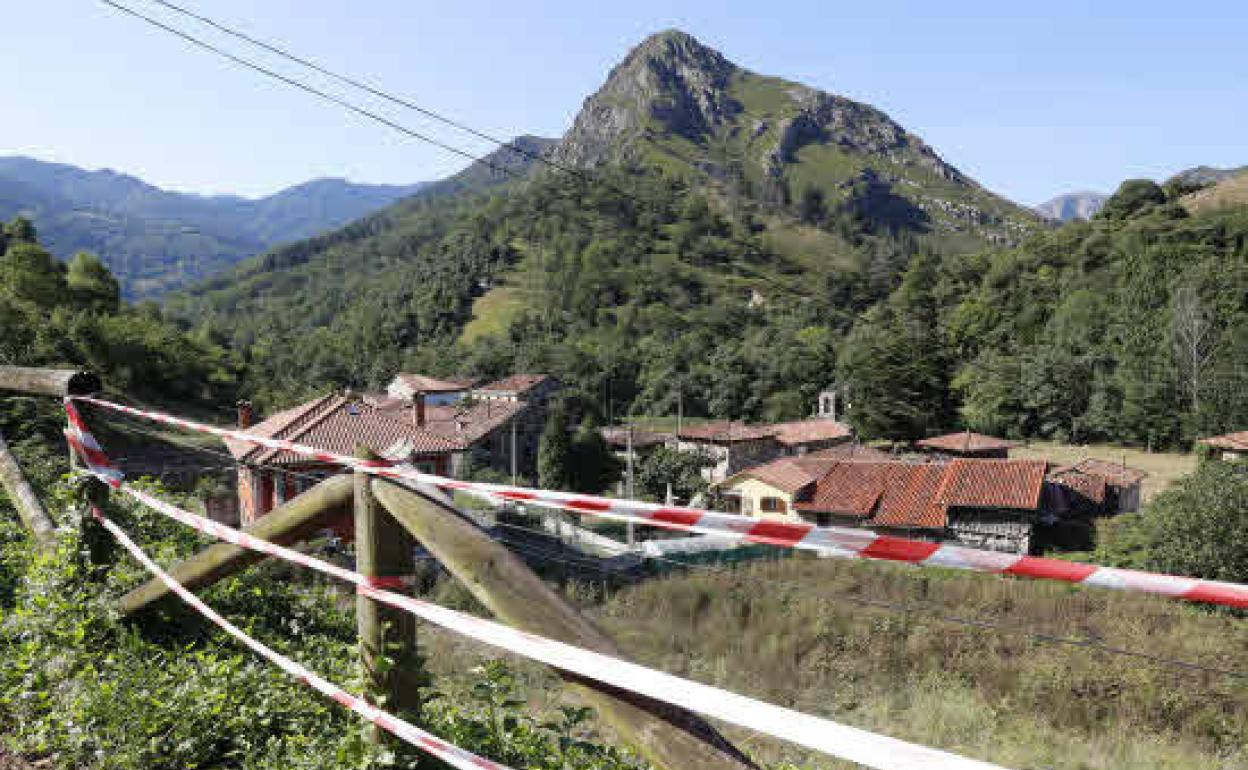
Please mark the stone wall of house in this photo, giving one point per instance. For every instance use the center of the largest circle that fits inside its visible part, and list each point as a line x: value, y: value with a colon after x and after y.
x: 991, y: 530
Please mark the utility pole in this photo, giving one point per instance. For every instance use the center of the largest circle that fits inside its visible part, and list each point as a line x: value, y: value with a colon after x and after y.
x: 680, y: 406
x: 628, y: 489
x: 513, y: 451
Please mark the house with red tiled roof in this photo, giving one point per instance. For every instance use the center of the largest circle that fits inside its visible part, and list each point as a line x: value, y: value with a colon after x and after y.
x: 770, y: 490
x: 992, y: 504
x: 493, y: 433
x: 1115, y: 487
x: 806, y: 436
x: 436, y: 390
x: 736, y: 446
x: 967, y: 444
x: 334, y: 423
x: 519, y: 387
x: 731, y: 445
x: 1231, y: 447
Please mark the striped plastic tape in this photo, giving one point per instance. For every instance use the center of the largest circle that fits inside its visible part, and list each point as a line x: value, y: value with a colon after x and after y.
x: 833, y: 541
x: 837, y: 740
x: 449, y: 753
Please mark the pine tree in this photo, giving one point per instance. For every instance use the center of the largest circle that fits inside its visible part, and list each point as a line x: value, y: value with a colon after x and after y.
x: 554, y: 450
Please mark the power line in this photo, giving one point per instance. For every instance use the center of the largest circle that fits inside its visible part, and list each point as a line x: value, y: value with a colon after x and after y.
x: 345, y: 104
x: 366, y: 87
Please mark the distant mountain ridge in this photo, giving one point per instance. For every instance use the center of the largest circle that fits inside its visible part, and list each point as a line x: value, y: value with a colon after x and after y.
x: 155, y: 240
x: 1207, y: 175
x: 1076, y: 205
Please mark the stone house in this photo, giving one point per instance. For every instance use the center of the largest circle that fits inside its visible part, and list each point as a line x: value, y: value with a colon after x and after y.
x: 1230, y: 447
x: 735, y: 446
x: 437, y: 391
x: 334, y: 423
x: 1111, y: 487
x: 992, y: 504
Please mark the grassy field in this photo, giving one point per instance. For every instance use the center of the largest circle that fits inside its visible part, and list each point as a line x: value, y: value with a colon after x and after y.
x: 813, y: 635
x: 1163, y: 468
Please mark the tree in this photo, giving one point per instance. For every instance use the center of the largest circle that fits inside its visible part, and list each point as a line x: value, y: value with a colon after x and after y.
x: 1194, y: 340
x: 1133, y: 197
x: 30, y: 274
x: 664, y: 466
x: 554, y: 450
x: 1199, y: 527
x: 813, y: 208
x: 593, y: 466
x: 91, y: 284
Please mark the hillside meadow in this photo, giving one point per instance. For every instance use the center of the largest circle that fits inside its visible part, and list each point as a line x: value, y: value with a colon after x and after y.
x: 865, y: 644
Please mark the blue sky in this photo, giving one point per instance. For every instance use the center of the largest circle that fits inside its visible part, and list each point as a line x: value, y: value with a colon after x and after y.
x: 1031, y: 99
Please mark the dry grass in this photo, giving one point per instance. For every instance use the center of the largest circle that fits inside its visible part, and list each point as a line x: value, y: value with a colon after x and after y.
x: 795, y: 632
x: 789, y: 632
x: 1228, y: 192
x: 1163, y: 468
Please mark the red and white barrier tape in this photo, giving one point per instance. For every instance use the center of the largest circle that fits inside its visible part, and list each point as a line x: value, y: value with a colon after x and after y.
x: 451, y: 754
x: 834, y: 541
x: 87, y: 448
x: 865, y: 748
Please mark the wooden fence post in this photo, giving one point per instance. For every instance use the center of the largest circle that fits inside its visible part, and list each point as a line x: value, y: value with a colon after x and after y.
x: 291, y: 522
x: 670, y: 737
x: 48, y: 382
x: 393, y: 669
x: 27, y: 503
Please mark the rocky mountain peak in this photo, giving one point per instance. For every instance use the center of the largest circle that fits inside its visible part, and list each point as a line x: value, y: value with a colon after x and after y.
x: 670, y: 81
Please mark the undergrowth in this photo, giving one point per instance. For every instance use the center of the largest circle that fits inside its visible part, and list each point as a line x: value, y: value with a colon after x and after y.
x: 82, y: 688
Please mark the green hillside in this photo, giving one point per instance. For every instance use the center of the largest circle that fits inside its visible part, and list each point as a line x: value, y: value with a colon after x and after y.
x: 1129, y: 328
x: 671, y: 242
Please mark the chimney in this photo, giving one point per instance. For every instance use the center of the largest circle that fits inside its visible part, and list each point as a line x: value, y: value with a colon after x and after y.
x: 418, y: 409
x: 245, y: 414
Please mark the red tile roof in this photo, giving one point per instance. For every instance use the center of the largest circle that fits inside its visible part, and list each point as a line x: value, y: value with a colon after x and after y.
x: 336, y: 424
x: 464, y: 421
x: 726, y: 432
x: 1114, y: 474
x: 618, y: 438
x: 853, y: 451
x: 788, y: 474
x: 1236, y: 442
x: 966, y: 442
x: 919, y: 495
x: 864, y: 489
x: 1090, y: 487
x: 424, y: 384
x: 993, y: 484
x: 517, y: 384
x: 810, y: 431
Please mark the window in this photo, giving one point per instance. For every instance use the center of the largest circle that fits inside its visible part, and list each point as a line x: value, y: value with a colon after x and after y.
x: 772, y: 505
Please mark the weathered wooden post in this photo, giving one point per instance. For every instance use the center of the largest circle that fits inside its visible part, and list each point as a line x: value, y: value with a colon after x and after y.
x: 48, y: 382
x: 393, y: 669
x: 292, y: 522
x: 669, y: 737
x: 36, y: 382
x: 27, y: 503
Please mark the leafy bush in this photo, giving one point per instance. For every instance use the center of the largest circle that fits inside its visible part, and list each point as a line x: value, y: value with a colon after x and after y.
x: 87, y: 690
x: 1198, y: 527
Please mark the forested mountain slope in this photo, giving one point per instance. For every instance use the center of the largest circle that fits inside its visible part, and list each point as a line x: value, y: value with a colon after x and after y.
x: 154, y: 240
x: 1131, y: 327
x: 671, y: 244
